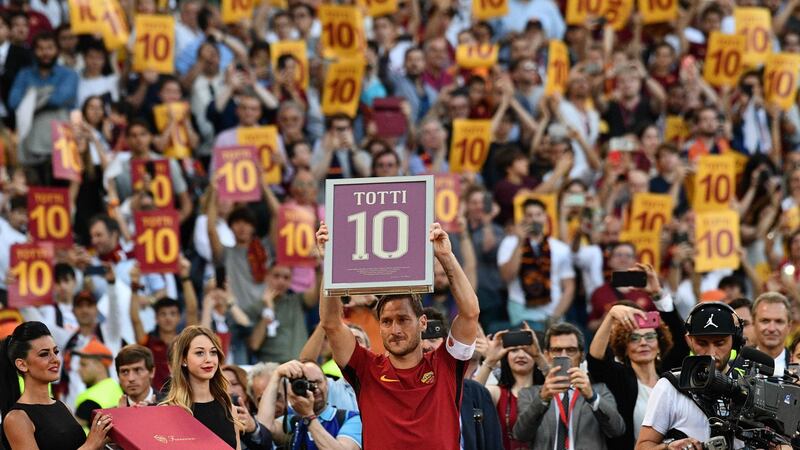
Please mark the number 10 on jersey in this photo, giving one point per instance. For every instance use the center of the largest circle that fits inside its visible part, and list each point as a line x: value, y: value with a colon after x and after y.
x: 379, y: 235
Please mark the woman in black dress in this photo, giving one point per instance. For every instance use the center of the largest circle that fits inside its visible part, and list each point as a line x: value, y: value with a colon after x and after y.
x: 198, y: 384
x: 34, y: 419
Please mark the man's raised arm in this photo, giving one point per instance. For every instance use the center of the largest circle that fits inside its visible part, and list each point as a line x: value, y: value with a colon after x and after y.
x: 465, y: 325
x: 341, y: 340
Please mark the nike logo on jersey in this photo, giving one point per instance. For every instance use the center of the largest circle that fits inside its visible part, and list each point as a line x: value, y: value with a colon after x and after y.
x: 388, y: 380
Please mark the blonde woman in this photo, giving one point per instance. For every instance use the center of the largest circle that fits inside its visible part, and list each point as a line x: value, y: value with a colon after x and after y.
x: 198, y: 384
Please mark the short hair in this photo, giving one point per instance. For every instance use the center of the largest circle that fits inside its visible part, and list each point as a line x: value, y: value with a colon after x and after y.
x: 338, y: 116
x: 166, y: 302
x: 534, y: 202
x: 667, y: 147
x: 63, y: 272
x: 242, y: 214
x: 43, y: 36
x: 410, y: 50
x: 712, y: 8
x: 795, y: 342
x: 353, y: 326
x: 165, y: 79
x: 18, y: 202
x: 133, y: 353
x: 508, y: 153
x: 283, y: 59
x: 615, y: 245
x: 564, y: 329
x: 741, y: 302
x: 434, y: 314
x: 730, y: 281
x: 111, y: 225
x: 305, y: 6
x: 382, y: 153
x: 772, y: 298
x: 137, y: 122
x: 413, y: 299
x: 260, y: 369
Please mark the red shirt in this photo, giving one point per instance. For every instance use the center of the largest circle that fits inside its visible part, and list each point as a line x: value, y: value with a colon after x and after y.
x: 604, y: 297
x: 408, y: 409
x: 160, y: 351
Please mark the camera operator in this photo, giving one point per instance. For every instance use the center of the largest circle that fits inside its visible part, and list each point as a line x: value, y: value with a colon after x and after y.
x: 712, y: 329
x: 311, y: 423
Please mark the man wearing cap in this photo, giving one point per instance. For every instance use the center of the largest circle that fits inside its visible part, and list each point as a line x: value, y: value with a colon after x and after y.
x: 712, y: 330
x: 102, y: 390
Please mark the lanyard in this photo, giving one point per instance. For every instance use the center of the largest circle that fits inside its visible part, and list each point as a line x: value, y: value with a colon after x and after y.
x: 563, y: 414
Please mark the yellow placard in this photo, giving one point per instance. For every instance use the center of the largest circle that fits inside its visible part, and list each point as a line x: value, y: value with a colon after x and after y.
x: 85, y: 16
x: 342, y: 87
x: 791, y: 218
x: 724, y: 59
x: 675, y: 129
x: 549, y: 200
x: 489, y: 9
x: 755, y: 24
x: 178, y: 146
x: 618, y: 12
x: 155, y: 43
x: 650, y: 212
x: 714, y: 180
x: 470, y: 145
x: 716, y: 239
x: 647, y: 244
x: 377, y: 8
x: 115, y: 26
x: 475, y: 56
x: 557, y: 68
x: 780, y: 79
x: 234, y: 11
x: 265, y: 140
x: 342, y: 30
x: 740, y: 161
x: 580, y: 11
x: 297, y: 49
x: 657, y: 11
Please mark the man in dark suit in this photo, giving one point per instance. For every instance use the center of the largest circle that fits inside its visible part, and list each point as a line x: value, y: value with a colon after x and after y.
x: 12, y: 59
x: 587, y: 413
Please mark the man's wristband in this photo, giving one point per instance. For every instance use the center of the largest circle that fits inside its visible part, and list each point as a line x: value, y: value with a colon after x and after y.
x: 268, y: 314
x: 185, y: 279
x: 593, y: 398
x: 308, y: 419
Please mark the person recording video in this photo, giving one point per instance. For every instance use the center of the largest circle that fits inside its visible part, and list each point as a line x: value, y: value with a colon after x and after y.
x: 713, y: 329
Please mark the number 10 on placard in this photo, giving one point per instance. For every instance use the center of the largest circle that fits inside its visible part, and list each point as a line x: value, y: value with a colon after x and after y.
x: 378, y: 222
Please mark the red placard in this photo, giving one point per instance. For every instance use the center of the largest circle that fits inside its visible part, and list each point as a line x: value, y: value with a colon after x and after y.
x: 296, y: 239
x: 158, y: 244
x: 66, y: 160
x: 447, y: 201
x: 160, y: 180
x: 49, y: 215
x: 32, y: 265
x: 237, y: 173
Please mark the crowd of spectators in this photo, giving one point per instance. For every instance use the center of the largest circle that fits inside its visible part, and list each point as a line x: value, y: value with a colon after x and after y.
x: 540, y: 227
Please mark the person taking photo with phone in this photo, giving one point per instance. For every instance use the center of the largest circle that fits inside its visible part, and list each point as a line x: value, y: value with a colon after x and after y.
x: 630, y: 348
x: 568, y: 411
x: 405, y: 393
x: 538, y: 270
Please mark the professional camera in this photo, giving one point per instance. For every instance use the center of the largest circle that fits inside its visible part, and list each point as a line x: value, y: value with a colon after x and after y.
x: 300, y: 386
x: 761, y: 411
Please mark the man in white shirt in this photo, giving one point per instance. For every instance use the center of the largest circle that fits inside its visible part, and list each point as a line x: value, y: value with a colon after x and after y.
x: 712, y: 330
x: 772, y: 322
x: 10, y: 233
x: 538, y: 270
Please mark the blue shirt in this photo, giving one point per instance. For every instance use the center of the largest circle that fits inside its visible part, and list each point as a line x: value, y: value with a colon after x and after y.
x: 188, y: 56
x: 545, y: 11
x: 63, y: 80
x: 351, y: 427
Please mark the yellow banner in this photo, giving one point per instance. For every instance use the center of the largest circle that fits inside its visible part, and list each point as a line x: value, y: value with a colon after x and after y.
x: 299, y: 51
x: 377, y: 8
x: 780, y: 79
x: 86, y: 16
x: 155, y: 44
x: 342, y: 89
x: 675, y: 129
x: 557, y: 68
x: 234, y: 11
x: 470, y: 145
x: 724, y: 59
x: 177, y: 112
x: 755, y: 24
x: 489, y: 9
x: 550, y: 201
x: 647, y: 244
x: 714, y: 186
x: 657, y: 11
x: 342, y: 30
x: 650, y: 212
x: 580, y: 11
x: 618, y: 12
x: 265, y: 140
x: 716, y: 239
x: 476, y: 56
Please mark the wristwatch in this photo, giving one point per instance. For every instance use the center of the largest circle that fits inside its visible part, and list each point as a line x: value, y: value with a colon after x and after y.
x: 308, y: 419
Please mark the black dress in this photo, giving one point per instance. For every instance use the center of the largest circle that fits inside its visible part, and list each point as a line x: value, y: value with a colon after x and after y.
x: 55, y: 428
x: 215, y: 418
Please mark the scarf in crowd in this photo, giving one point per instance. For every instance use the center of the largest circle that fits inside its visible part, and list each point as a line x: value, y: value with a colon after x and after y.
x: 114, y: 256
x: 257, y: 258
x: 534, y: 273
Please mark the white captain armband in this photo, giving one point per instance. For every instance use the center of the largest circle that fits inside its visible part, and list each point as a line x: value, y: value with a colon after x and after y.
x: 457, y: 350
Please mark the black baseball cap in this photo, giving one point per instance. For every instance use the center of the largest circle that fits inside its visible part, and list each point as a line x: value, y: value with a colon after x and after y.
x: 711, y: 318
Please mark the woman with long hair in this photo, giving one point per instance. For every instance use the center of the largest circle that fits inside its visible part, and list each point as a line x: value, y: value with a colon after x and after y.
x: 629, y: 358
x: 517, y: 372
x: 198, y: 384
x: 33, y: 419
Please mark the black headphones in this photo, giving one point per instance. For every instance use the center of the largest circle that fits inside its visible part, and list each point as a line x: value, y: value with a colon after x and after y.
x: 738, y: 333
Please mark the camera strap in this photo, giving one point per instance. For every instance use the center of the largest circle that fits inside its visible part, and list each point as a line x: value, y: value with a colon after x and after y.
x: 673, y: 378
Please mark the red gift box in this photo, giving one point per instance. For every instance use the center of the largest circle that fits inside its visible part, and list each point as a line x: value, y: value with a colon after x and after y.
x: 155, y: 427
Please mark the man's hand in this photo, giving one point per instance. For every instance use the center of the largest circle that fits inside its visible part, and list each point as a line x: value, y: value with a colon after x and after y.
x: 185, y: 267
x: 685, y: 444
x: 135, y: 274
x: 243, y: 415
x: 553, y: 385
x: 322, y: 238
x: 269, y: 297
x: 290, y: 369
x: 580, y: 380
x: 110, y: 276
x: 653, y: 286
x: 304, y: 406
x: 440, y: 240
